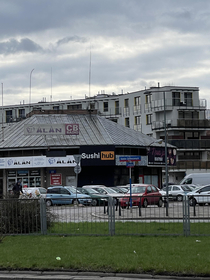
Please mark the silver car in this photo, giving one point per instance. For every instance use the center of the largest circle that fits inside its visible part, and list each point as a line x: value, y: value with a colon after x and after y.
x: 176, y: 192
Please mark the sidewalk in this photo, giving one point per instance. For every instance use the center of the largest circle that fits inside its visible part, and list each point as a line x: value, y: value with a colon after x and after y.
x: 60, y: 275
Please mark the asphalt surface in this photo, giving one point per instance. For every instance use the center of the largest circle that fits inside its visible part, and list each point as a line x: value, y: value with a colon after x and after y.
x: 58, y: 275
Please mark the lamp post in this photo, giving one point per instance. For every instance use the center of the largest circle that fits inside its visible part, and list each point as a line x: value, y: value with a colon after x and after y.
x: 30, y: 88
x: 166, y: 158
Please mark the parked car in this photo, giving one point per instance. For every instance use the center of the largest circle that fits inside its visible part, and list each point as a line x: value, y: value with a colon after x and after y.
x: 65, y: 195
x: 97, y: 198
x: 142, y: 194
x: 119, y: 190
x: 200, y: 196
x: 176, y: 192
x: 104, y: 191
x: 34, y: 192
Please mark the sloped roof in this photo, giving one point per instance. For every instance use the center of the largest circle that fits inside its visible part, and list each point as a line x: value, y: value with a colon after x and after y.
x: 93, y: 130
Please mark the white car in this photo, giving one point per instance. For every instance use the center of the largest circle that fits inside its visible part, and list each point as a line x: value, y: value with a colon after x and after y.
x: 36, y: 192
x: 175, y: 192
x: 200, y: 196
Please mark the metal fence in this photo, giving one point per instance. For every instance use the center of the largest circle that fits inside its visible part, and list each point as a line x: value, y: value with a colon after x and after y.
x: 33, y: 217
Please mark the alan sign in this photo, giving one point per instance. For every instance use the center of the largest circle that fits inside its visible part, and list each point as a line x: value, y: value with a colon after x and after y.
x: 51, y: 129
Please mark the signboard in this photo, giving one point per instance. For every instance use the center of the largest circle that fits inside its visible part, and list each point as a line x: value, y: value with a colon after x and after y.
x: 77, y: 169
x: 156, y: 156
x: 130, y: 158
x: 39, y: 161
x: 97, y: 155
x: 142, y: 162
x: 129, y: 164
x: 51, y: 129
x: 55, y: 179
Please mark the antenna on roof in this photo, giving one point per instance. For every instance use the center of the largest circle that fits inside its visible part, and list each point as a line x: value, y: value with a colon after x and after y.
x: 90, y: 72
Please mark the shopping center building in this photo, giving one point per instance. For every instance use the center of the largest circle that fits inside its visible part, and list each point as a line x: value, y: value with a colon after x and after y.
x: 41, y: 149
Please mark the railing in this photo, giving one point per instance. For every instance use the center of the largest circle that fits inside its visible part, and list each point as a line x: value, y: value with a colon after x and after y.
x: 190, y: 143
x: 33, y: 217
x: 182, y: 123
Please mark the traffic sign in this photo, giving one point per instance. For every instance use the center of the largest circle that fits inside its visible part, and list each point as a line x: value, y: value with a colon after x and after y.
x: 130, y: 158
x: 77, y: 169
x: 129, y: 164
x: 77, y: 158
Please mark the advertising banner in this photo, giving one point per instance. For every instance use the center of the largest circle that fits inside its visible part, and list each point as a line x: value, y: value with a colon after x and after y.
x: 156, y: 156
x: 40, y: 161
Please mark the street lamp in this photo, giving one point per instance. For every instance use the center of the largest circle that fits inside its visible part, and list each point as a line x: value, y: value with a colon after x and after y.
x: 166, y: 158
x: 30, y: 88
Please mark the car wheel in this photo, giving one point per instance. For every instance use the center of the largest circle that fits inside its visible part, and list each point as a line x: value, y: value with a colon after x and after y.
x: 192, y: 201
x: 179, y: 198
x: 145, y: 203
x: 49, y: 203
x: 94, y: 202
x: 201, y: 204
x: 160, y: 203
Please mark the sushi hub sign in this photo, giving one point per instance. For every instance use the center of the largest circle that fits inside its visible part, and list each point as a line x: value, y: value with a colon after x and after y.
x: 93, y: 155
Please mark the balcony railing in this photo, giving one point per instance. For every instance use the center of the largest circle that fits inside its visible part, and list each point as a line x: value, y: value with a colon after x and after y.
x: 158, y: 105
x: 137, y: 109
x: 193, y: 164
x: 182, y: 123
x: 137, y: 127
x: 190, y: 143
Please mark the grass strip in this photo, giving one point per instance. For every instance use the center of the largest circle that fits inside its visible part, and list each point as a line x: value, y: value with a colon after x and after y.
x: 128, y: 254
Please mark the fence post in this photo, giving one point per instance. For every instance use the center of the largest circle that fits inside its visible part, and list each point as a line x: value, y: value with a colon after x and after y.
x: 111, y: 215
x: 43, y: 216
x: 186, y: 216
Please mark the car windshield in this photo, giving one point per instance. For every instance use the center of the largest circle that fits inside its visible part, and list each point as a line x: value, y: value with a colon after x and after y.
x: 138, y: 189
x: 42, y: 190
x: 91, y: 191
x: 73, y: 190
x: 186, y: 188
x: 109, y: 190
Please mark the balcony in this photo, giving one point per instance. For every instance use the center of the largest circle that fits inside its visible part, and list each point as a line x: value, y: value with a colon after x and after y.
x: 137, y: 127
x: 111, y: 112
x: 184, y: 165
x: 186, y: 144
x: 182, y: 123
x: 137, y: 109
x: 158, y: 105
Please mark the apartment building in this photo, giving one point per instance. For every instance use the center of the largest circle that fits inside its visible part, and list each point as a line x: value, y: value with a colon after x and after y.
x: 186, y: 125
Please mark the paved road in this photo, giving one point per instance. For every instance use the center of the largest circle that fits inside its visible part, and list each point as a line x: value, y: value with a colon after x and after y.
x: 53, y: 275
x: 151, y: 213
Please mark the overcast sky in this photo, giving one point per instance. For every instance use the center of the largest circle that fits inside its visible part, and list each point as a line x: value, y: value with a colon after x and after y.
x: 131, y: 44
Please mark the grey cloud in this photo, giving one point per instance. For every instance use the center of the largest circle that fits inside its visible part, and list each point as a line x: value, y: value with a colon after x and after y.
x: 71, y: 39
x: 13, y: 46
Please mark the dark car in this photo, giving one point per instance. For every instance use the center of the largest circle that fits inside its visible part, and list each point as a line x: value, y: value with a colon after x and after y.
x: 142, y: 195
x: 97, y: 198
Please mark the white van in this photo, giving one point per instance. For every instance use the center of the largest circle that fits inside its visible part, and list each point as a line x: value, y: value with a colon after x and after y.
x: 198, y: 179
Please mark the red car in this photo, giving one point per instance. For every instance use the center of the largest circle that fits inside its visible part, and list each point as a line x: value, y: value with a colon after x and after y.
x: 146, y: 193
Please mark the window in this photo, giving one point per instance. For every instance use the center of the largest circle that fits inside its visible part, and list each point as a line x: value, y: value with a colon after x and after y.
x: 21, y: 113
x: 148, y: 119
x: 117, y: 109
x: 137, y: 101
x: 127, y: 123
x: 126, y: 103
x: 8, y: 116
x: 106, y: 106
x: 148, y: 98
x: 189, y: 115
x: 56, y: 107
x: 137, y: 120
x: 176, y: 98
x: 74, y: 107
x: 188, y: 98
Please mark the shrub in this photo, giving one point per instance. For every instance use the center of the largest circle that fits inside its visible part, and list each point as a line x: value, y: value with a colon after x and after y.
x: 21, y: 216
